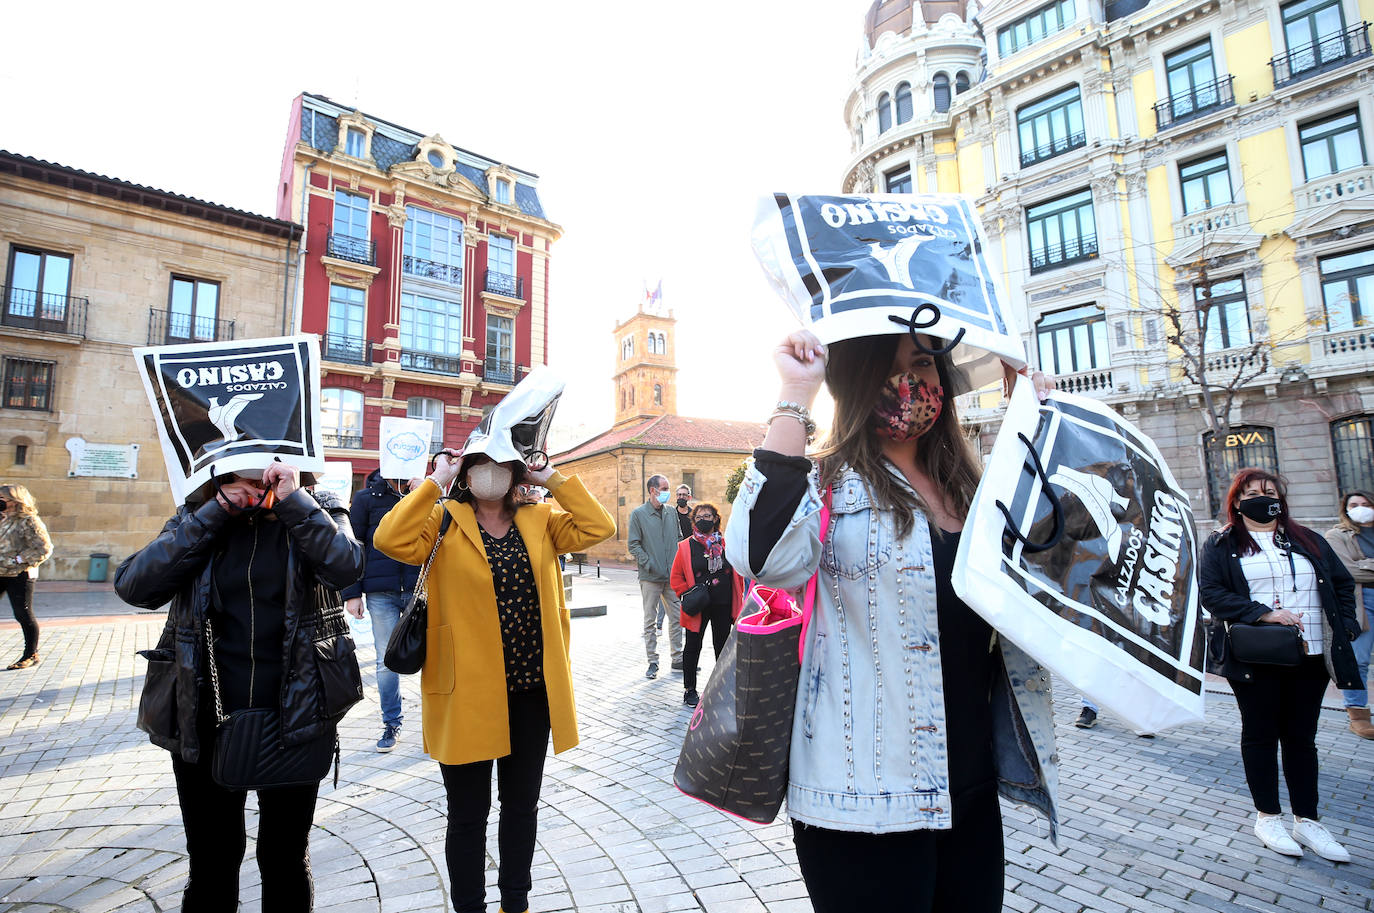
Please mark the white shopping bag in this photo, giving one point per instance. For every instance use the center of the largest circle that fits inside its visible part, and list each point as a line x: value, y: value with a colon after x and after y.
x: 516, y: 430
x: 1112, y: 605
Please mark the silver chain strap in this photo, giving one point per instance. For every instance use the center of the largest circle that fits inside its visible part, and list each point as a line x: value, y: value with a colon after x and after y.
x: 214, y: 670
x: 424, y: 571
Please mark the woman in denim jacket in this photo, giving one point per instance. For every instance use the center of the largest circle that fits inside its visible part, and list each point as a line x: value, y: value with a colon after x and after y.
x: 912, y: 714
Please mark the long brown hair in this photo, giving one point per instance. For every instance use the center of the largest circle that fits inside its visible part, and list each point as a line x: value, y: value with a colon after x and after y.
x: 20, y: 495
x: 855, y: 371
x: 463, y: 495
x: 1240, y: 536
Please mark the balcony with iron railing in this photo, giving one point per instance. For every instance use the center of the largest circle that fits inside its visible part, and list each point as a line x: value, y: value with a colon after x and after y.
x: 1200, y: 100
x: 347, y: 349
x: 354, y: 250
x: 50, y: 313
x: 504, y: 284
x: 1326, y: 53
x: 350, y: 440
x: 498, y: 371
x: 1066, y: 251
x: 1054, y: 147
x: 167, y: 328
x: 449, y: 274
x: 431, y: 362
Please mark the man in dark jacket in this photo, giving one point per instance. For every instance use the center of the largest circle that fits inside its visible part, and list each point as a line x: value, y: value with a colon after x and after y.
x: 388, y: 585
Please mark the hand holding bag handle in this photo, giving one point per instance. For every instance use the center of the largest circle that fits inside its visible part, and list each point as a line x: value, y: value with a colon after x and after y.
x: 405, y: 650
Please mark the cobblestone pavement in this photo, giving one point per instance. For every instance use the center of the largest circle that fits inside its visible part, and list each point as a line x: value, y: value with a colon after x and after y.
x: 89, y: 820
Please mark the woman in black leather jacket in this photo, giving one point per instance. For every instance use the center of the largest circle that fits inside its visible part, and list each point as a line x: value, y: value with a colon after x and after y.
x: 265, y: 575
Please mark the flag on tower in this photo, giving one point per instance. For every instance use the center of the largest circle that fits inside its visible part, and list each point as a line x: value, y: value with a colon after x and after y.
x: 653, y: 299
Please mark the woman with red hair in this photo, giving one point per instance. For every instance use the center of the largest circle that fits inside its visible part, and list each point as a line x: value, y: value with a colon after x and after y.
x: 1264, y: 567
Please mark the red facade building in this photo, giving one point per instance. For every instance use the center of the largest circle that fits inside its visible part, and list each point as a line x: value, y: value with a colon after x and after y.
x: 424, y: 272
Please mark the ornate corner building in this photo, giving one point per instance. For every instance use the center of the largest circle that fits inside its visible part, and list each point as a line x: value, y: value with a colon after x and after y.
x: 425, y: 274
x: 1137, y: 164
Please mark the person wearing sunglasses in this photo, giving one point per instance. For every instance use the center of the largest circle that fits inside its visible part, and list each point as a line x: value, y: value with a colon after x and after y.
x: 24, y: 544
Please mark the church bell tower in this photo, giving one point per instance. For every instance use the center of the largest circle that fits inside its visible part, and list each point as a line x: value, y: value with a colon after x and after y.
x: 645, y: 372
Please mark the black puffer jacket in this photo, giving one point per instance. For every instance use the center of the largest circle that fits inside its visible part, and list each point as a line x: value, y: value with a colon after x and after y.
x: 383, y: 574
x: 1226, y: 596
x: 320, y: 678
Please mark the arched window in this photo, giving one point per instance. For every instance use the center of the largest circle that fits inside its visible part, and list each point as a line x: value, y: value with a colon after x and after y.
x: 961, y: 83
x: 884, y: 113
x: 1245, y: 445
x: 1352, y: 439
x: 941, y: 86
x: 658, y: 394
x: 903, y: 98
x: 662, y: 344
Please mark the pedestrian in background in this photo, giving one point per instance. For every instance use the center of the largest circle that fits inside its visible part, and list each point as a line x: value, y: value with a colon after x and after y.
x: 684, y: 511
x: 701, y: 560
x: 497, y: 677
x: 24, y: 544
x: 259, y: 576
x: 653, y: 539
x: 387, y: 585
x: 893, y: 809
x: 1265, y: 567
x: 1352, y: 539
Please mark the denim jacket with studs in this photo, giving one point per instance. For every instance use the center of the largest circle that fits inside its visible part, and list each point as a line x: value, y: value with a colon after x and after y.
x: 868, y: 744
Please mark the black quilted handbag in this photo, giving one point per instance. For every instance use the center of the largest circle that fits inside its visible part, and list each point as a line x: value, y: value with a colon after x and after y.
x: 405, y: 649
x: 249, y: 753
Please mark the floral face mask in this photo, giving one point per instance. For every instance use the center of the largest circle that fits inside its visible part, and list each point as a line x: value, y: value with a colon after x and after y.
x: 907, y: 407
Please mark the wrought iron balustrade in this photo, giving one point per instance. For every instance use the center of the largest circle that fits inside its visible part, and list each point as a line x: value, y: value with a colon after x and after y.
x: 1054, y: 147
x: 498, y: 371
x: 1200, y: 100
x: 504, y: 284
x: 33, y: 310
x: 168, y: 327
x: 450, y: 274
x: 354, y: 250
x: 349, y: 349
x: 1325, y: 53
x: 1067, y: 250
x: 432, y: 362
x: 350, y: 440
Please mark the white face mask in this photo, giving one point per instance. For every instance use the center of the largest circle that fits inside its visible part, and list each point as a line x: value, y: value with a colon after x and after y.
x: 1361, y: 515
x: 490, y: 481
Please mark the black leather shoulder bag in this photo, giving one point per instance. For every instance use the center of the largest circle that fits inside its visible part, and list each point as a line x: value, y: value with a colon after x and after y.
x: 405, y: 650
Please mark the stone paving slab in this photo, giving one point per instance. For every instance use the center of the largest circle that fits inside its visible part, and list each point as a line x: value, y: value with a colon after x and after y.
x: 89, y: 820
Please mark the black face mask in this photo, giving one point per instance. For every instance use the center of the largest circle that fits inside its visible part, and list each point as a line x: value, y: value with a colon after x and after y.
x: 1261, y: 509
x: 705, y: 526
x: 681, y: 501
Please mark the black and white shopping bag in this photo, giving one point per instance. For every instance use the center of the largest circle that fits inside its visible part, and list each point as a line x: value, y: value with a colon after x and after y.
x: 234, y: 406
x: 1080, y: 549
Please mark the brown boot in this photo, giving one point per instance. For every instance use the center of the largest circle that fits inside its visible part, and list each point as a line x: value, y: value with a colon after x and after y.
x: 1359, y: 722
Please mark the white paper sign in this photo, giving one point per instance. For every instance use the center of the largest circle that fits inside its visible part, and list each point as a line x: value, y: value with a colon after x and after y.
x: 113, y: 461
x: 404, y: 447
x: 338, y: 478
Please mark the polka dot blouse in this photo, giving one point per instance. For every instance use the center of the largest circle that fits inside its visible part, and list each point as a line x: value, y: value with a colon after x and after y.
x: 517, y: 604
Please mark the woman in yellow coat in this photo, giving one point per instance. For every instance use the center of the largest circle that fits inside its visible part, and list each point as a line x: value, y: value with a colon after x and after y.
x: 497, y: 677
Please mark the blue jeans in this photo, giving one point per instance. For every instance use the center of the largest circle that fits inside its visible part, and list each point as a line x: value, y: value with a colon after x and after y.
x: 1362, y: 646
x: 386, y: 610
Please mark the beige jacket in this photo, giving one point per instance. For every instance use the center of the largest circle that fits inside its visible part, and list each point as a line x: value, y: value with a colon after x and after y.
x: 1347, y: 548
x: 24, y: 544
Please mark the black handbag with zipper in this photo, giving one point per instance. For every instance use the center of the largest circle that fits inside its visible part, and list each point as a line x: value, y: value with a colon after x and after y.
x: 405, y: 649
x: 1266, y: 644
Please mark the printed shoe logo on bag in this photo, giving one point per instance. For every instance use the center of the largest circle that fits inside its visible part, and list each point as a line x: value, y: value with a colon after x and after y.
x: 696, y: 717
x: 1100, y: 497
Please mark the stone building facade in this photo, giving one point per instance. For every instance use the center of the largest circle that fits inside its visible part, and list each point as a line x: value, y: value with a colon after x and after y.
x: 94, y: 267
x: 1139, y: 165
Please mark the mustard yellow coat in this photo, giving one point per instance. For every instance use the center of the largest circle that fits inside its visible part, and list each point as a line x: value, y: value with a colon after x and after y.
x: 463, y: 683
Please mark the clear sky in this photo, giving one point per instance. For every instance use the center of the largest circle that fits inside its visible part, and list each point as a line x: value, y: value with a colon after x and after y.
x: 654, y: 128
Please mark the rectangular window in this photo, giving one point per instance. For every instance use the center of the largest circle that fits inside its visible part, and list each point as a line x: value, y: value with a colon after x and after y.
x: 433, y: 325
x: 1192, y: 80
x: 28, y: 384
x: 500, y: 366
x: 345, y: 339
x: 433, y: 246
x: 1073, y: 340
x: 38, y: 286
x: 1032, y: 27
x: 1352, y: 439
x: 898, y: 180
x: 21, y: 454
x: 193, y: 310
x: 1061, y: 231
x: 501, y: 255
x: 351, y: 215
x: 1228, y: 314
x: 1206, y: 182
x: 354, y: 143
x: 503, y: 192
x: 429, y: 408
x: 341, y: 417
x: 1313, y: 31
x: 1347, y: 288
x: 1051, y: 126
x: 1331, y: 144
x: 1151, y: 331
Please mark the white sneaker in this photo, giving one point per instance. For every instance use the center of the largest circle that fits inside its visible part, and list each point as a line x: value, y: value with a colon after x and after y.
x: 1312, y: 835
x: 1269, y: 829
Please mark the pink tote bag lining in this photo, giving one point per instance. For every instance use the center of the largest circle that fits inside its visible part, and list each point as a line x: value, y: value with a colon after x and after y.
x: 778, y: 610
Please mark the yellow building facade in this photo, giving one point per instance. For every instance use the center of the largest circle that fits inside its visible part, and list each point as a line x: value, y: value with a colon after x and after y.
x: 1138, y: 164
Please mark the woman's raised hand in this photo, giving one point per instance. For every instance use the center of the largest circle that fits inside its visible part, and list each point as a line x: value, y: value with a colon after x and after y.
x: 446, y: 464
x: 800, y: 360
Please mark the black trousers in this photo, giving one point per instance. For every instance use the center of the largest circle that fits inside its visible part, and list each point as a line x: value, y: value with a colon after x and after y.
x: 216, y: 841
x: 1280, y: 709
x: 954, y: 871
x: 718, y: 617
x: 519, y: 776
x: 20, y: 590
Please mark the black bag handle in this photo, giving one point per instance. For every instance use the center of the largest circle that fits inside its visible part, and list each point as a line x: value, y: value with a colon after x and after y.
x: 916, y: 322
x: 1058, y: 531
